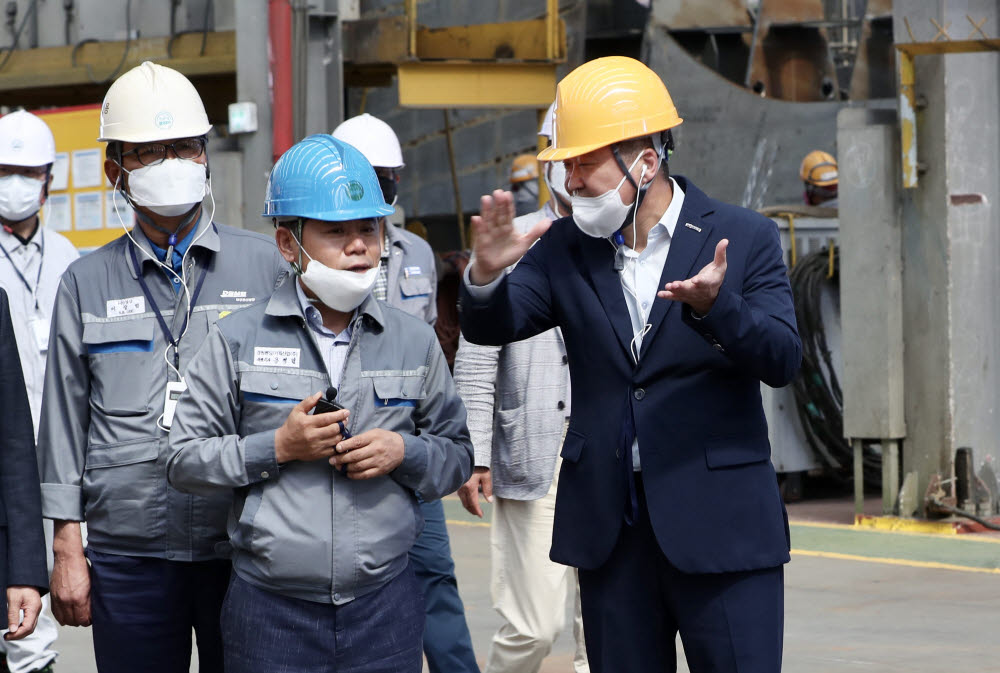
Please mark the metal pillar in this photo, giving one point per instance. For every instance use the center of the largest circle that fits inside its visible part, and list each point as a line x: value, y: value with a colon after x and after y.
x: 252, y: 72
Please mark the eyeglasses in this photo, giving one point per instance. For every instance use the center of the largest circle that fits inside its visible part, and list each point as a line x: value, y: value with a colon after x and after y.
x: 151, y: 154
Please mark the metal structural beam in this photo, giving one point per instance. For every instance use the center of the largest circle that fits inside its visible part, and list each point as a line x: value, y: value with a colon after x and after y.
x: 907, y: 95
x: 93, y: 61
x: 476, y: 85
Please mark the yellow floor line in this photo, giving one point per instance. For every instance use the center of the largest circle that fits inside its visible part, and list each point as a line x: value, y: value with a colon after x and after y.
x: 456, y: 522
x: 894, y: 561
x: 965, y: 537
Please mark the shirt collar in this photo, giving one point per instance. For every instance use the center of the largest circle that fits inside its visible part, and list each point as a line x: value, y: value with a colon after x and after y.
x: 668, y: 222
x: 209, y: 240
x: 315, y: 319
x: 11, y: 242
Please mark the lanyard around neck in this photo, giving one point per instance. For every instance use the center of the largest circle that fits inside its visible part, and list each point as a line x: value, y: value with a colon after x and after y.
x: 41, y: 259
x: 167, y: 334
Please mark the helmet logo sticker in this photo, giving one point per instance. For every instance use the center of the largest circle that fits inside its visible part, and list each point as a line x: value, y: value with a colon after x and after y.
x: 163, y: 120
x: 17, y: 144
x: 355, y: 190
x: 107, y: 106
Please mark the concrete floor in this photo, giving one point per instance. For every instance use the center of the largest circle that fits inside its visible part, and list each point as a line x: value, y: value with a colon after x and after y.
x: 856, y: 600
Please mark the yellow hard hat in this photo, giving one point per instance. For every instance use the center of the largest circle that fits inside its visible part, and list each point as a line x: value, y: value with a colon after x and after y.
x: 523, y: 168
x: 819, y: 168
x: 605, y: 101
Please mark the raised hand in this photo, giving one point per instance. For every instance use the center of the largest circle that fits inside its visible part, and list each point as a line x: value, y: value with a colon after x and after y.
x: 496, y: 244
x: 700, y: 291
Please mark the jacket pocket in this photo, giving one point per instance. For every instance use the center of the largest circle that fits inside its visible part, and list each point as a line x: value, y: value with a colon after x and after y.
x: 120, y: 355
x: 398, y: 391
x: 572, y: 446
x: 266, y: 398
x: 414, y: 287
x: 124, y: 488
x: 722, y: 452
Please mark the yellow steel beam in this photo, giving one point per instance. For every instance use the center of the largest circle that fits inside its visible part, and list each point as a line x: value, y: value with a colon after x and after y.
x: 949, y: 47
x: 395, y: 39
x: 472, y: 85
x: 520, y: 40
x: 907, y: 120
x: 95, y: 61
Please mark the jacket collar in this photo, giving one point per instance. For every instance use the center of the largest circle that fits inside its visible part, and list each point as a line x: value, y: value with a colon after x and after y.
x: 689, y: 237
x: 209, y: 240
x: 284, y: 303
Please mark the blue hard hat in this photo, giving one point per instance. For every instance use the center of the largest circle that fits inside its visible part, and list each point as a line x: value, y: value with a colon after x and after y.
x: 322, y: 178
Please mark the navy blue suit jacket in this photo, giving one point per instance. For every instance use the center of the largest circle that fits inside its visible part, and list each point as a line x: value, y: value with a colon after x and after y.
x: 711, y: 491
x: 22, y: 544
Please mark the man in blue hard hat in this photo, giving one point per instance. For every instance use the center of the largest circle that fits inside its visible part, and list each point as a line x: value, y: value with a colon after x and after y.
x: 325, y: 485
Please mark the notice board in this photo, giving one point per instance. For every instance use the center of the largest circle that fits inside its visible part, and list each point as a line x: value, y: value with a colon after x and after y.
x: 80, y: 204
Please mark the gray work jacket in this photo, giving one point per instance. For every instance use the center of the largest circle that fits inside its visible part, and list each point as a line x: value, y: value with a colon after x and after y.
x: 411, y: 279
x: 102, y: 455
x: 518, y: 398
x: 303, y: 529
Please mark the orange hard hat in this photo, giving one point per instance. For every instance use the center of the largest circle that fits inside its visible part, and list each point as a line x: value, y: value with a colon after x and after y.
x: 819, y: 168
x: 605, y: 101
x: 523, y: 168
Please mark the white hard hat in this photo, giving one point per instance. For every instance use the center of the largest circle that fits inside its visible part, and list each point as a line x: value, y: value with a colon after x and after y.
x: 546, y: 129
x: 152, y: 102
x: 374, y: 138
x: 25, y: 140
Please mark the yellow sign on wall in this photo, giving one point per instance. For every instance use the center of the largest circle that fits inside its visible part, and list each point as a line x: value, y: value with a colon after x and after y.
x: 81, y: 203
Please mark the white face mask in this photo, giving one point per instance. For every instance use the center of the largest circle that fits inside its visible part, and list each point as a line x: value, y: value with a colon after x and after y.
x: 170, y: 188
x: 601, y: 216
x: 339, y: 289
x: 555, y: 178
x: 20, y: 197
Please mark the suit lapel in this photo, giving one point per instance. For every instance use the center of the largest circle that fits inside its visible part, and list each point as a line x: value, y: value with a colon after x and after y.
x: 690, y: 236
x: 598, y: 264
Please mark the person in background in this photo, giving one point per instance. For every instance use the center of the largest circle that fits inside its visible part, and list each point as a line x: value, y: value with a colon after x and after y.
x: 128, y: 319
x: 326, y: 496
x: 518, y: 400
x: 819, y: 177
x: 524, y: 183
x: 22, y: 543
x: 407, y: 280
x: 33, y: 261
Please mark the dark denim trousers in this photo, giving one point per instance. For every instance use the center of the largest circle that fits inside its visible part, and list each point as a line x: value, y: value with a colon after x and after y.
x: 447, y: 642
x: 378, y: 632
x: 143, y: 610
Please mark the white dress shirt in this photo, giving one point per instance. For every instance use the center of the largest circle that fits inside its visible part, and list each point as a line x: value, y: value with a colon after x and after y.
x: 30, y: 274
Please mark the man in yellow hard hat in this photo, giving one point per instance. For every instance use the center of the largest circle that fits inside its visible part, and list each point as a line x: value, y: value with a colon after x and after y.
x: 819, y: 175
x: 673, y: 307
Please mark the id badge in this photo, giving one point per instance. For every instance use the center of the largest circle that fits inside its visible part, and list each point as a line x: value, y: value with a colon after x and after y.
x: 173, y: 393
x: 40, y: 331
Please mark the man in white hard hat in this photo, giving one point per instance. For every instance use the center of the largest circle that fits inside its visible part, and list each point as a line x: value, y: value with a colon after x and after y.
x: 127, y: 320
x: 33, y: 261
x: 518, y: 399
x: 408, y: 281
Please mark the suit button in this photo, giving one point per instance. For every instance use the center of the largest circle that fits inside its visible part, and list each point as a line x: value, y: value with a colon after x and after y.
x: 561, y: 405
x: 639, y: 393
x: 718, y: 347
x: 274, y: 386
